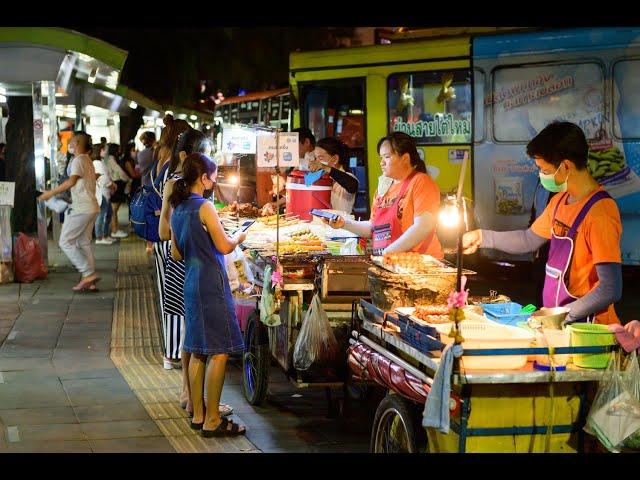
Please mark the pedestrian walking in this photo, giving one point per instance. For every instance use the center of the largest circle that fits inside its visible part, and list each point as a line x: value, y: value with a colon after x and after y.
x: 212, y: 328
x: 75, y: 237
x: 121, y: 179
x: 104, y: 188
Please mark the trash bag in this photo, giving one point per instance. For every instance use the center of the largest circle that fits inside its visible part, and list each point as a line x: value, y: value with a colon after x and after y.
x: 632, y: 378
x: 615, y: 413
x: 316, y: 343
x: 29, y: 265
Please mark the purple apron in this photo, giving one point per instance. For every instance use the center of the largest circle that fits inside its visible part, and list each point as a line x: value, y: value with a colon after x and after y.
x: 556, y: 293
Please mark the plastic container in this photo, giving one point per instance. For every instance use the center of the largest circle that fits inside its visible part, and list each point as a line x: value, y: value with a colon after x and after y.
x: 505, y: 313
x: 302, y: 199
x: 553, y: 338
x: 590, y: 335
x: 482, y: 336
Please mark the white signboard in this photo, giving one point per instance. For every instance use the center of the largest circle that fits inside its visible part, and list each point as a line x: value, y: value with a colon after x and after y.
x: 288, y: 147
x: 238, y: 140
x: 7, y: 193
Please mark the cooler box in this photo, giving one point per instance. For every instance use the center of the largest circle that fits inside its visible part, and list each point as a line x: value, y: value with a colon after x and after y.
x: 302, y: 199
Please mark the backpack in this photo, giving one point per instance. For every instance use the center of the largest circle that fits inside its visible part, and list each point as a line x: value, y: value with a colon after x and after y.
x: 145, y: 206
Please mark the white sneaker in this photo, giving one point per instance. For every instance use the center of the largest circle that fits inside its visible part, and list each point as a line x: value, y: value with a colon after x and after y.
x: 109, y: 241
x: 169, y: 364
x: 120, y: 234
x: 101, y: 242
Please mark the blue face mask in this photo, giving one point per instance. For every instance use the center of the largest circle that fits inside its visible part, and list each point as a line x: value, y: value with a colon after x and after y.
x: 548, y: 182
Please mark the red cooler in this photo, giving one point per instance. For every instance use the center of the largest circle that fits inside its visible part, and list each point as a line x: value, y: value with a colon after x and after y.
x: 301, y: 199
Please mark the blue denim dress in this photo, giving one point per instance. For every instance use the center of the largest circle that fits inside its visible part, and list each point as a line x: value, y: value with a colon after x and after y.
x: 210, y: 319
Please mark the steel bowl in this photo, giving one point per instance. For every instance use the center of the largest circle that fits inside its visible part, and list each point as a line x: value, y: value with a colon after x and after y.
x: 548, y: 317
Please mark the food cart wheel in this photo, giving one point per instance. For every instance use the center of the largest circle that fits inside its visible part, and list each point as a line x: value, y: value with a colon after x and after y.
x: 396, y: 428
x: 256, y: 360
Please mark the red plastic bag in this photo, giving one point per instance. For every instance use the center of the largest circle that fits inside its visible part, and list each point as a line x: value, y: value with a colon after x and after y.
x: 29, y: 265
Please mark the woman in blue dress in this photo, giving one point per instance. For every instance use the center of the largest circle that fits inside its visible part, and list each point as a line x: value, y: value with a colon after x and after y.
x: 212, y: 330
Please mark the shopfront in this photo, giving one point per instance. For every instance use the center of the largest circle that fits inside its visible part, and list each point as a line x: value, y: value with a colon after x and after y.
x: 40, y: 66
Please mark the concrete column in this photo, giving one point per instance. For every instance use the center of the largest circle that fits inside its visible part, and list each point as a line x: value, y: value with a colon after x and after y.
x: 20, y: 164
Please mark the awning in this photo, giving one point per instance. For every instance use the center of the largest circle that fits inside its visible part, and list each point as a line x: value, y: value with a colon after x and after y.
x: 254, y: 96
x: 29, y: 54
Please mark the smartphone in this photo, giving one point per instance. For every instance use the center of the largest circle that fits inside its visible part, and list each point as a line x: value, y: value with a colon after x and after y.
x: 245, y: 226
x: 321, y: 213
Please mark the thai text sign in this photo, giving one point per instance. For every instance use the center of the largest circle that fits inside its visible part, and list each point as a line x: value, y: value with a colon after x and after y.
x: 287, y: 146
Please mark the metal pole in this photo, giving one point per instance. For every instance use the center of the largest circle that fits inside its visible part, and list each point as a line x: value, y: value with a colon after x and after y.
x: 53, y: 153
x: 277, y: 192
x: 38, y: 153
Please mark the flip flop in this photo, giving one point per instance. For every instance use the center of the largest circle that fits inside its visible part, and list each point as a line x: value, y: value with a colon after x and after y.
x: 223, y: 430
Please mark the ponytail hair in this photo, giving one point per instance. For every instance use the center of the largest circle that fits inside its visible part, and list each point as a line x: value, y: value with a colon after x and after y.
x: 195, y: 165
x: 402, y: 143
x: 333, y: 146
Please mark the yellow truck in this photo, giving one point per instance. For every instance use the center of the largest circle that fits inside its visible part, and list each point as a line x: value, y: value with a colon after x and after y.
x: 360, y: 94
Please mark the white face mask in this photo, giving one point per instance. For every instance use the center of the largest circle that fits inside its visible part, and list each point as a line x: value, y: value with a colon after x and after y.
x: 71, y: 150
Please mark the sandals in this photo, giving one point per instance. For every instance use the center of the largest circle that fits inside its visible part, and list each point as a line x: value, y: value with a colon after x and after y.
x: 225, y: 410
x: 87, y: 286
x: 225, y: 429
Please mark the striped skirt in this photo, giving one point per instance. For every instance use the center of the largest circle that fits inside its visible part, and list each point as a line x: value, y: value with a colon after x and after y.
x: 170, y: 288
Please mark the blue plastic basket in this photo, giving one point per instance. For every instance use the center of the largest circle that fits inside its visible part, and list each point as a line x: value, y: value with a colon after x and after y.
x: 505, y: 313
x: 422, y: 337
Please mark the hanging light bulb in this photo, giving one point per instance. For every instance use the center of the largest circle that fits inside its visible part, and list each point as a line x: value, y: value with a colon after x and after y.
x: 133, y: 105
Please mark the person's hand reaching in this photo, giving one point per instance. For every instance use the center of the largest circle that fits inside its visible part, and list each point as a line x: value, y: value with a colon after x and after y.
x: 471, y: 241
x: 46, y: 195
x: 338, y: 222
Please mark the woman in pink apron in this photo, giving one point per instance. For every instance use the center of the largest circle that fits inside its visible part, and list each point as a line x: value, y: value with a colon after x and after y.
x: 404, y: 212
x: 582, y: 222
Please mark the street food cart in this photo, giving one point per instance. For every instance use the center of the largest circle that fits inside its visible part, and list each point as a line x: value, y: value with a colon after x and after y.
x: 310, y: 263
x: 500, y: 400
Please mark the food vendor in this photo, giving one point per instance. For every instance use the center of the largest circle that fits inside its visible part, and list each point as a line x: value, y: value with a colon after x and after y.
x: 332, y: 156
x: 403, y: 218
x: 583, y: 271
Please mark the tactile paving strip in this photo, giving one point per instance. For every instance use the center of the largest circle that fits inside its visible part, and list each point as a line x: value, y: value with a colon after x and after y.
x: 136, y: 350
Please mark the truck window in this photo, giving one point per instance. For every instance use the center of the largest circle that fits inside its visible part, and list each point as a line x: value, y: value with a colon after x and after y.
x: 527, y: 98
x: 626, y: 99
x: 433, y: 107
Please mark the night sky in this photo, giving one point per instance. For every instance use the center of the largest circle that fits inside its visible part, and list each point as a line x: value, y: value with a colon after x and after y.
x: 167, y: 65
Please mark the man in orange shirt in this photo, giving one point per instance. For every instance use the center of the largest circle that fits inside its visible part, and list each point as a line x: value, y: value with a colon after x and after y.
x: 582, y: 222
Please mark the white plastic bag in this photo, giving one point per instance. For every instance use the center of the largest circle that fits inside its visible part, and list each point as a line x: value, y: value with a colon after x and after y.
x: 632, y: 378
x: 316, y: 342
x: 615, y: 413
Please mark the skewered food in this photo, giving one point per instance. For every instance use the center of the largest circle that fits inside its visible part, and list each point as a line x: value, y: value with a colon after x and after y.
x: 432, y: 313
x: 410, y: 262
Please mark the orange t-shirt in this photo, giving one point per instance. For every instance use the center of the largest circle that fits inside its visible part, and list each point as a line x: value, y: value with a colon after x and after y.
x: 597, y: 240
x: 423, y: 195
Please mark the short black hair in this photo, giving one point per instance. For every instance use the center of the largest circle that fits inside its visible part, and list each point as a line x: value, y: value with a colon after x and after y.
x: 559, y: 141
x: 303, y: 134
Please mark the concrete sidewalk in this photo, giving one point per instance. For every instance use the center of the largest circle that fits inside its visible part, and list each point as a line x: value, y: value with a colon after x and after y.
x: 59, y: 390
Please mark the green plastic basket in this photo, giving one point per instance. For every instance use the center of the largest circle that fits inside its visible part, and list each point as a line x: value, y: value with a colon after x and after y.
x: 591, y: 335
